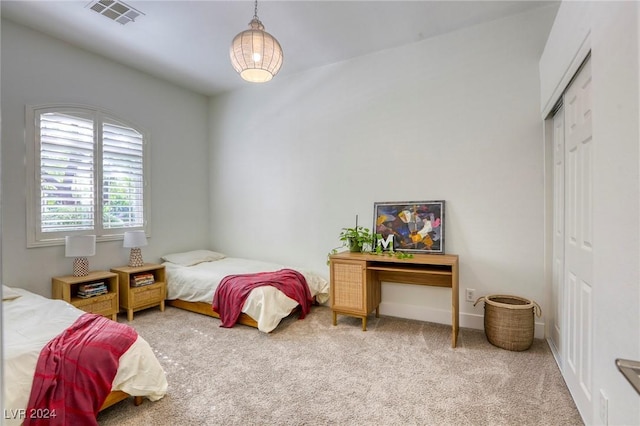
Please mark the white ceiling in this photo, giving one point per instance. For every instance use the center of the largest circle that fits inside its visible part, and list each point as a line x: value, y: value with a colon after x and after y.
x: 187, y: 42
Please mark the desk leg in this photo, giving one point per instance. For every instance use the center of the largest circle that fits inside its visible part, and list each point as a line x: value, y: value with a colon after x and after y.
x: 455, y: 327
x: 364, y: 323
x: 335, y: 317
x: 455, y: 306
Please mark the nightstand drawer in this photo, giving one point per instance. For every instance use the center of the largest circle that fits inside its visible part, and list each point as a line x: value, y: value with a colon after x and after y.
x: 104, y: 304
x: 141, y: 296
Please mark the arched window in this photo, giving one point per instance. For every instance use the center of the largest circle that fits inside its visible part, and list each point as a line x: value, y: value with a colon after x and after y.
x: 87, y: 174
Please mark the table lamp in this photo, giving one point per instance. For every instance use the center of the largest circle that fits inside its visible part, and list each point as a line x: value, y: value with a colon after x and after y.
x: 80, y: 247
x: 135, y: 240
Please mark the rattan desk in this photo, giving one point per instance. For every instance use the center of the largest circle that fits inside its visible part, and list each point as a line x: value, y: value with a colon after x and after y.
x: 356, y: 281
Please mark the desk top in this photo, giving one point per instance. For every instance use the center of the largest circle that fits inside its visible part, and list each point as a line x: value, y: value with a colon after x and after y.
x: 417, y: 259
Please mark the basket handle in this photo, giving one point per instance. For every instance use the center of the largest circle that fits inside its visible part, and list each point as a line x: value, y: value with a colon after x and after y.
x: 537, y: 309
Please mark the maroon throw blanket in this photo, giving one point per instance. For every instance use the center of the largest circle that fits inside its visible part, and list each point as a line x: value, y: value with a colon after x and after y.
x: 233, y: 291
x: 75, y: 371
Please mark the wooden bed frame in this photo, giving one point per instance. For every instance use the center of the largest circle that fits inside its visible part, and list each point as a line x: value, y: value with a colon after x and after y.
x: 206, y: 309
x: 116, y: 396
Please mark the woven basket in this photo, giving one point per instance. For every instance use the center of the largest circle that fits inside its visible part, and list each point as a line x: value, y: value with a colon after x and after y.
x: 508, y: 321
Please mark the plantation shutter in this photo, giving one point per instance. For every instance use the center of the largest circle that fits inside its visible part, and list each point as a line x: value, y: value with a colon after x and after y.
x: 122, y: 177
x: 87, y: 175
x: 66, y: 172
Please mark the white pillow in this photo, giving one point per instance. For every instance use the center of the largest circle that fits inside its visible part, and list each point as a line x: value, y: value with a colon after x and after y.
x: 8, y: 293
x: 190, y: 258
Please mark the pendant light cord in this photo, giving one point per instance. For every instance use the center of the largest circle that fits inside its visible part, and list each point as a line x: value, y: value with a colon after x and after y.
x: 255, y: 10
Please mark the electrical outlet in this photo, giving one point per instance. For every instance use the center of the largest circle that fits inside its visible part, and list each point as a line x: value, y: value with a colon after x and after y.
x: 470, y: 294
x: 604, y: 408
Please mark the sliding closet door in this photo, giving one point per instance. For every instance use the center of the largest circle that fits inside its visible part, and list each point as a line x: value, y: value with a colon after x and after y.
x: 578, y: 241
x: 555, y: 316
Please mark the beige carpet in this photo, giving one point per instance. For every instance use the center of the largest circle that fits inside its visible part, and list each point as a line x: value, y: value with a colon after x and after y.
x: 308, y: 372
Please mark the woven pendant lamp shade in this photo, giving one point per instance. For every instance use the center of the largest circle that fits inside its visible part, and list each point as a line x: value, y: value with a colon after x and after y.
x: 256, y: 54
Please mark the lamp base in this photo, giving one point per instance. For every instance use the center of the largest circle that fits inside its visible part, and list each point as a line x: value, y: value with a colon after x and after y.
x: 135, y: 257
x: 80, y: 267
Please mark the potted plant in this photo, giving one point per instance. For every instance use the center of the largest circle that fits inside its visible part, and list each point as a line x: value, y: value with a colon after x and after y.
x: 357, y: 239
x: 360, y: 239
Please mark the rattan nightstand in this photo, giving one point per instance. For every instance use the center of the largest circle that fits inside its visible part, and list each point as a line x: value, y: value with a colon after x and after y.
x: 143, y: 294
x: 67, y: 287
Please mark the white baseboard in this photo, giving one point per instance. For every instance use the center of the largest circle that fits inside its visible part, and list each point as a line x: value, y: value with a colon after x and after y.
x: 441, y: 316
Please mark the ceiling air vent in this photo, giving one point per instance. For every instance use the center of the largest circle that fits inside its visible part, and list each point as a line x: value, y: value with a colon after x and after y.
x: 115, y: 10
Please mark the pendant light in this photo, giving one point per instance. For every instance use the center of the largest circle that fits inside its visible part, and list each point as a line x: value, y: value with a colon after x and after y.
x: 255, y: 54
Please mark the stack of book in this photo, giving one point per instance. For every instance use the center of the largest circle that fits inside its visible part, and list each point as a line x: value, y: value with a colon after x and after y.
x: 140, y: 280
x: 93, y: 289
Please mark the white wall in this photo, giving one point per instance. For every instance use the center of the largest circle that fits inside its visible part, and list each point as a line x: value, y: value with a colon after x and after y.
x: 453, y: 118
x: 38, y: 69
x: 611, y: 31
x: 1, y: 339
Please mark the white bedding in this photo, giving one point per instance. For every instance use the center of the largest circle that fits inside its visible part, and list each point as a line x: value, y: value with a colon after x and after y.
x: 267, y: 305
x: 30, y: 321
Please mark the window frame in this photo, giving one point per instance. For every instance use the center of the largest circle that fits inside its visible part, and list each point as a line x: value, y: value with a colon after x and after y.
x: 35, y: 236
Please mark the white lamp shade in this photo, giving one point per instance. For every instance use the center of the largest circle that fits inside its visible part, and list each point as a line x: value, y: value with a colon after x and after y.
x: 255, y: 54
x: 134, y: 239
x: 80, y: 246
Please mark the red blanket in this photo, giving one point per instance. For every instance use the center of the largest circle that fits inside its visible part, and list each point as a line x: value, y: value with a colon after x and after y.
x: 75, y: 371
x: 233, y: 291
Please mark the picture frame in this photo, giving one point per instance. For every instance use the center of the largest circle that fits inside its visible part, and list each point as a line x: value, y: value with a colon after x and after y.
x: 413, y: 226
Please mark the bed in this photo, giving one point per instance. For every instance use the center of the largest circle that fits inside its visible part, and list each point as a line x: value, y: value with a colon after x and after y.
x: 31, y: 321
x: 192, y: 278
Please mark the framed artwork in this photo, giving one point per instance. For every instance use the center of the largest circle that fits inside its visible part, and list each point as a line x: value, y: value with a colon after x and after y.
x: 411, y: 226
